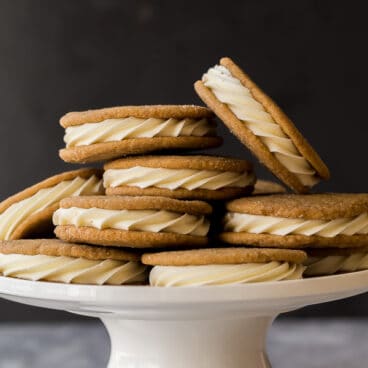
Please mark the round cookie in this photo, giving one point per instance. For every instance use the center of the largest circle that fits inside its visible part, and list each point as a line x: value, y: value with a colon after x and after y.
x: 29, y: 212
x: 264, y: 187
x: 109, y: 133
x: 197, y: 257
x: 182, y: 177
x: 293, y: 221
x: 137, y: 222
x: 330, y: 261
x: 59, y: 261
x: 261, y: 125
x: 224, y: 266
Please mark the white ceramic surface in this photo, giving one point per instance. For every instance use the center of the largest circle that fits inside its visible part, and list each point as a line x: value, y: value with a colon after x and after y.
x: 223, y: 326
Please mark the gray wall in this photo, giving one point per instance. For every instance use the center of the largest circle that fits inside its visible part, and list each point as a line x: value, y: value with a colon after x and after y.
x: 57, y: 56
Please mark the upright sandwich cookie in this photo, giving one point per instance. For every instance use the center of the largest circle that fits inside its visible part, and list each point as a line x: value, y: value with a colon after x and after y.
x: 261, y: 125
x: 288, y: 221
x: 30, y: 211
x: 183, y: 177
x: 137, y: 222
x: 263, y: 187
x: 109, y: 133
x: 222, y: 266
x: 322, y: 262
x: 57, y: 261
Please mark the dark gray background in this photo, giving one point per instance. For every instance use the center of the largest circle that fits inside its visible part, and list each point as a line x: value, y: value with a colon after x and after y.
x: 57, y: 56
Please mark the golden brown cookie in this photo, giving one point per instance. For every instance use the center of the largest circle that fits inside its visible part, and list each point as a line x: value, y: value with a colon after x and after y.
x: 29, y: 212
x: 264, y: 187
x: 196, y: 257
x: 224, y: 266
x: 261, y: 125
x: 58, y: 261
x: 59, y: 248
x: 182, y: 177
x: 109, y: 133
x: 296, y: 221
x: 137, y: 222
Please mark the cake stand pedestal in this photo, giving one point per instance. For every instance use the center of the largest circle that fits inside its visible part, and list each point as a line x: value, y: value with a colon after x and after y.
x: 196, y: 327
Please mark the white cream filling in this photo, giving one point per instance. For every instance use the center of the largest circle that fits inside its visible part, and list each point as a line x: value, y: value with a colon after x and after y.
x: 145, y: 177
x: 135, y: 220
x: 44, y: 198
x: 71, y: 270
x: 224, y: 274
x: 239, y: 99
x: 328, y: 265
x: 255, y: 224
x: 118, y: 129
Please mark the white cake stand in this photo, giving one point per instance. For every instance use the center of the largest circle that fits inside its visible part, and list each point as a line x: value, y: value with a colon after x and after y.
x: 191, y: 327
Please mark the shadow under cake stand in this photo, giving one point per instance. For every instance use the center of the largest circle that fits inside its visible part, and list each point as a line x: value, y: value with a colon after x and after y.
x: 182, y: 327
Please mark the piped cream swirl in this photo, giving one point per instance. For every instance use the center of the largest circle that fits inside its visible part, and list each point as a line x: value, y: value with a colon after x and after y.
x: 44, y: 198
x: 144, y: 177
x: 118, y: 129
x: 224, y: 274
x: 72, y: 270
x: 328, y: 265
x: 239, y: 99
x: 241, y: 222
x: 134, y: 220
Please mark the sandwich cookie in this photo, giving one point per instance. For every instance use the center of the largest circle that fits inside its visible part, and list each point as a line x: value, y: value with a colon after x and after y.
x: 288, y: 221
x: 263, y: 187
x: 137, y: 222
x: 261, y: 125
x: 30, y: 211
x: 109, y: 133
x: 322, y: 262
x: 223, y: 266
x: 183, y: 177
x: 58, y: 261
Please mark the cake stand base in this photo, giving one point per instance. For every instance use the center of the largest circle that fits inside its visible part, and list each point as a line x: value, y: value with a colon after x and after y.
x: 182, y: 344
x: 203, y: 327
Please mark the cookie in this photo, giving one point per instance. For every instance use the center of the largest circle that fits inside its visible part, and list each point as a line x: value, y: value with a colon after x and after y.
x: 182, y: 177
x: 220, y: 266
x: 109, y: 133
x: 29, y: 212
x: 58, y: 261
x: 136, y: 222
x: 322, y: 262
x: 293, y: 221
x: 263, y: 187
x: 261, y: 125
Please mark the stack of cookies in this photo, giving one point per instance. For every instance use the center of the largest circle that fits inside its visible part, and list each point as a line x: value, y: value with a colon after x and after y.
x: 151, y: 210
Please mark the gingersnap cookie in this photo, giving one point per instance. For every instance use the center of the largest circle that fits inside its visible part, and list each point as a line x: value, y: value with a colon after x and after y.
x: 182, y: 177
x: 29, y: 212
x: 261, y: 125
x: 322, y: 262
x: 293, y: 221
x: 58, y: 261
x: 222, y: 266
x: 109, y: 133
x: 263, y: 187
x: 136, y: 222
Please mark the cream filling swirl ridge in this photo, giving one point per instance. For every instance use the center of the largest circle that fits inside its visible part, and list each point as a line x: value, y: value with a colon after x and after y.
x: 224, y: 274
x: 133, y: 220
x: 239, y: 99
x: 256, y: 224
x: 144, y: 177
x: 329, y: 265
x: 72, y: 270
x: 44, y: 198
x: 118, y: 129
